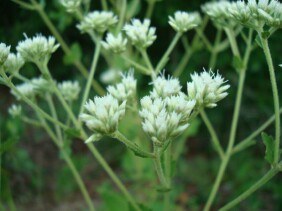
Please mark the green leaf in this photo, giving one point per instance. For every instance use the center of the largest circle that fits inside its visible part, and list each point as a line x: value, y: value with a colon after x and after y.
x: 237, y: 63
x: 74, y: 55
x: 270, y: 145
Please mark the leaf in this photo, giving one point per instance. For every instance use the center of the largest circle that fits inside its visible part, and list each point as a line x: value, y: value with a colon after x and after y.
x: 270, y: 145
x: 74, y: 55
x: 237, y: 63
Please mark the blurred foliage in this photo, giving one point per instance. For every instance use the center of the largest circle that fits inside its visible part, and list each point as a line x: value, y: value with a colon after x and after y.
x: 26, y: 174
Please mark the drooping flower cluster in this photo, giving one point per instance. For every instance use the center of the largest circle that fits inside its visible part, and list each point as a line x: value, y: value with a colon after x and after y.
x: 37, y: 49
x: 99, y: 21
x: 165, y: 87
x: 126, y: 89
x: 71, y: 5
x: 184, y: 21
x: 116, y: 44
x: 140, y: 34
x: 103, y: 115
x: 207, y: 89
x: 256, y: 14
x: 4, y: 52
x: 69, y: 89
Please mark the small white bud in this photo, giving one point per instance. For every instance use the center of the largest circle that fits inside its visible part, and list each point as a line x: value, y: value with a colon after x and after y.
x: 69, y: 89
x: 71, y: 5
x: 13, y: 63
x: 184, y: 21
x: 116, y: 44
x: 4, y: 52
x: 15, y: 110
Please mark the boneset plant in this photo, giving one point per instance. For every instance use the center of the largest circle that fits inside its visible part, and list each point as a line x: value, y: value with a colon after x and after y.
x: 167, y: 111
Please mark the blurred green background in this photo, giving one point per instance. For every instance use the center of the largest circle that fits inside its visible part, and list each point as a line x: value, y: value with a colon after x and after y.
x: 33, y: 177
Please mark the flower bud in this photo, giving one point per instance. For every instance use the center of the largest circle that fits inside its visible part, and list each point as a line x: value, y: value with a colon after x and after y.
x: 4, y: 52
x: 183, y: 21
x: 115, y: 44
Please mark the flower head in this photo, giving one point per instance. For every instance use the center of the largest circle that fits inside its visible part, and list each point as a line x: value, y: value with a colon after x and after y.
x: 103, y: 115
x: 4, y: 52
x: 25, y: 89
x: 160, y: 123
x: 15, y: 110
x: 140, y: 34
x: 71, y: 5
x: 110, y: 76
x: 40, y: 85
x: 126, y: 90
x: 100, y: 21
x: 13, y: 63
x: 69, y: 89
x: 207, y: 89
x: 165, y: 87
x: 184, y: 21
x: 116, y: 44
x: 37, y: 49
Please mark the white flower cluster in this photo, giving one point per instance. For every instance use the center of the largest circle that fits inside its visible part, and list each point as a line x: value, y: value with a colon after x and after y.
x: 207, y: 89
x: 69, y: 90
x: 219, y: 14
x: 4, y: 52
x: 140, y: 34
x: 30, y: 89
x: 104, y: 114
x: 184, y: 21
x: 71, y: 5
x: 160, y: 122
x: 13, y: 63
x: 116, y: 44
x: 100, y: 21
x: 165, y: 87
x: 37, y: 49
x: 15, y: 110
x: 126, y: 90
x: 255, y: 14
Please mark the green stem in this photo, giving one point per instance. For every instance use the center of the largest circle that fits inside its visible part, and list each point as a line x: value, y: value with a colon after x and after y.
x: 215, y: 140
x: 104, y: 5
x: 267, y: 54
x: 148, y: 62
x: 150, y: 9
x: 165, y: 57
x: 131, y: 145
x: 122, y: 15
x: 55, y: 116
x: 249, y: 140
x: 270, y: 174
x: 64, y: 46
x: 159, y: 168
x: 113, y: 176
x: 234, y: 124
x: 91, y: 76
x: 214, y: 51
x: 136, y: 65
x: 69, y: 162
x: 31, y: 121
x: 204, y: 38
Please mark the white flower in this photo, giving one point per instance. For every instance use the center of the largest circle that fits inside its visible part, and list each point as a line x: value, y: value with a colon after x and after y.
x: 40, y: 85
x: 219, y: 14
x: 181, y: 105
x: 207, y: 89
x: 100, y: 21
x: 69, y: 90
x: 13, y: 63
x: 116, y: 44
x: 25, y: 89
x: 15, y: 110
x: 140, y: 34
x: 240, y: 11
x: 104, y: 114
x: 159, y: 122
x: 184, y: 21
x: 71, y: 5
x: 110, y: 76
x: 37, y: 49
x: 4, y: 52
x: 126, y: 90
x: 165, y: 87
